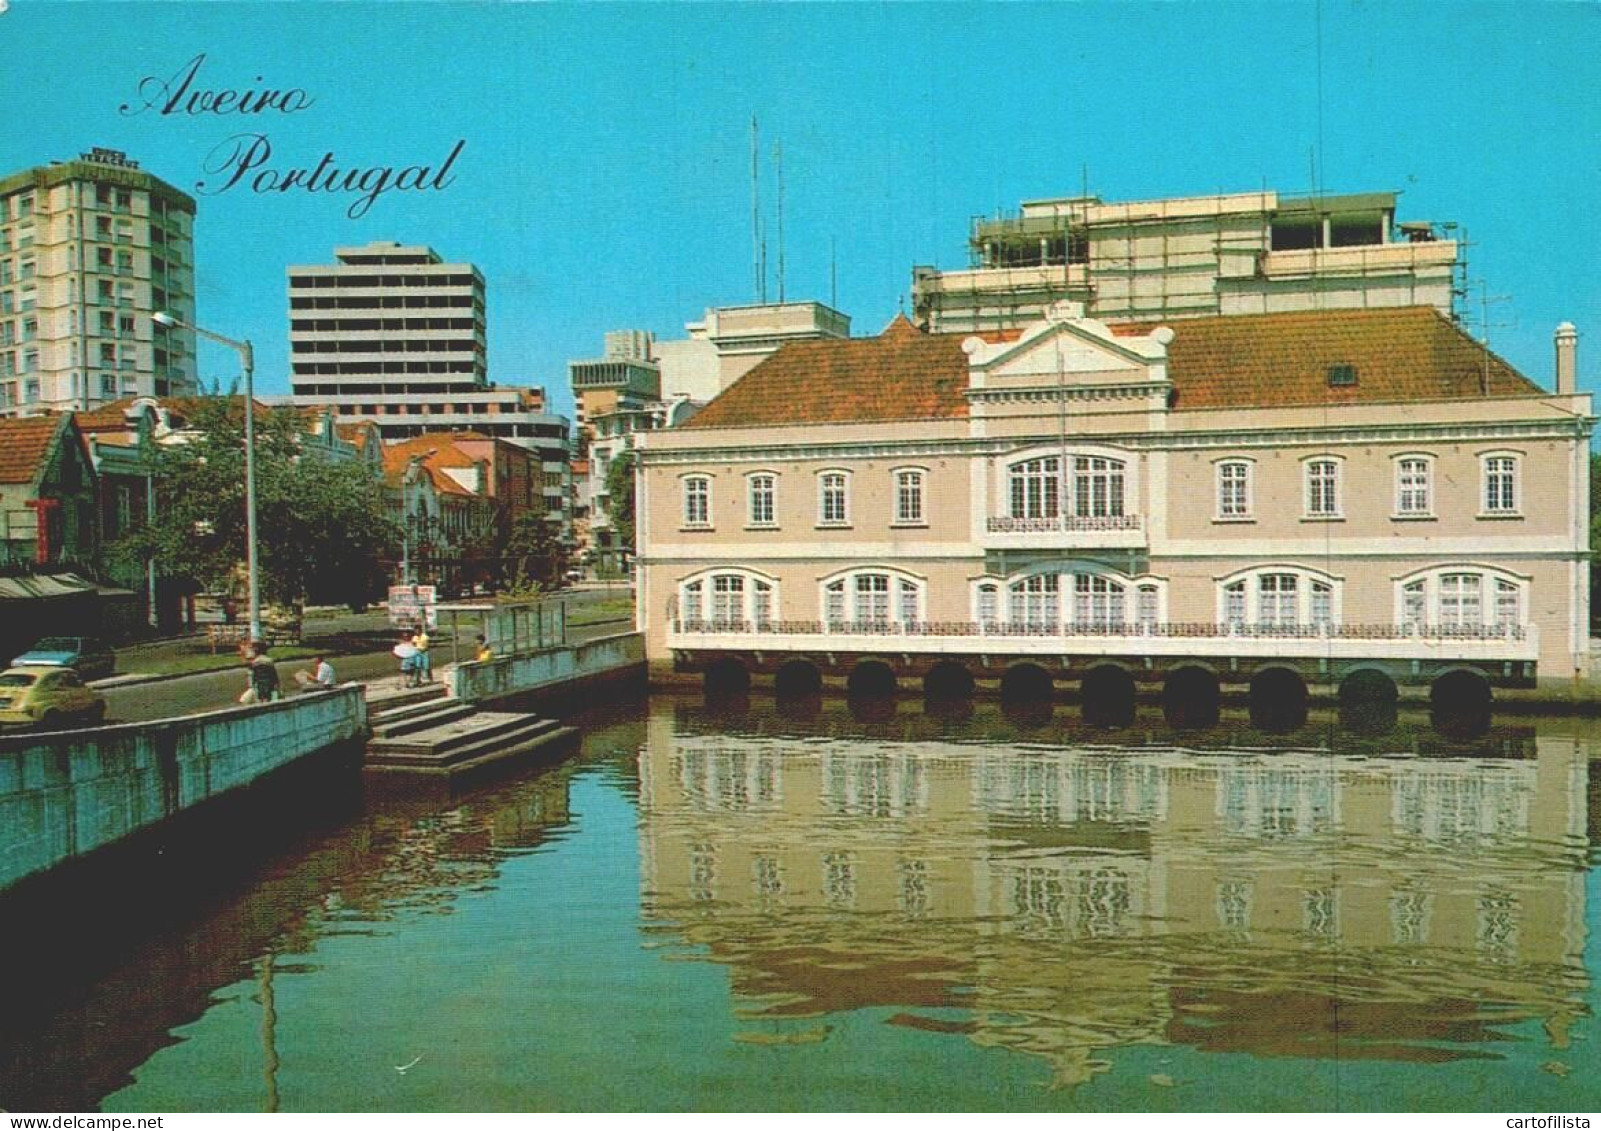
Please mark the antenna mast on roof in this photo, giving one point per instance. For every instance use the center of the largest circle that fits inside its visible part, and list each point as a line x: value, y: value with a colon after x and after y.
x: 778, y: 160
x: 755, y: 212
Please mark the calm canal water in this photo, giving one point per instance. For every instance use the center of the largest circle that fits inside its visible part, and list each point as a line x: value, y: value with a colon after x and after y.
x: 833, y: 909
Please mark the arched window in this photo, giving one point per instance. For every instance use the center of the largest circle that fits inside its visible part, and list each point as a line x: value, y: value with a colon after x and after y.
x: 1462, y: 600
x: 1085, y: 486
x: 727, y: 601
x: 1279, y: 598
x: 871, y: 600
x: 1085, y: 599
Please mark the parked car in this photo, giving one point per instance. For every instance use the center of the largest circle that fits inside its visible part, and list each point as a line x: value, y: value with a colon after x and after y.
x: 87, y: 655
x: 48, y: 697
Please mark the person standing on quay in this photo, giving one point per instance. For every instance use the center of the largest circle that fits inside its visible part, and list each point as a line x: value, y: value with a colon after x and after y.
x: 406, y: 653
x: 425, y: 666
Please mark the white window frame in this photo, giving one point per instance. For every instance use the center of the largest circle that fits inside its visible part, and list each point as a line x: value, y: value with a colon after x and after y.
x: 1121, y: 491
x: 1515, y: 470
x: 752, y: 518
x: 823, y: 519
x: 1336, y: 511
x: 1403, y: 489
x: 700, y: 589
x: 897, y: 478
x: 1310, y: 585
x: 688, y: 483
x: 1495, y: 586
x: 896, y: 597
x: 1247, y: 485
x: 1071, y: 598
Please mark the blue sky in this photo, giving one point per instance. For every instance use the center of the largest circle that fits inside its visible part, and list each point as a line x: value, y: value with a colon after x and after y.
x: 605, y: 180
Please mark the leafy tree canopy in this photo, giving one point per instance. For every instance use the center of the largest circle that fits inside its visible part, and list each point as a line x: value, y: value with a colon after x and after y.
x: 322, y: 527
x: 620, y: 498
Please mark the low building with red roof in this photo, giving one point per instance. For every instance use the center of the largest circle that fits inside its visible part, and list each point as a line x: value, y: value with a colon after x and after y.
x: 1323, y: 492
x: 47, y: 494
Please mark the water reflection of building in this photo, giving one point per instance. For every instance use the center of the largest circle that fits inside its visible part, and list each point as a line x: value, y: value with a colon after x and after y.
x: 1074, y: 900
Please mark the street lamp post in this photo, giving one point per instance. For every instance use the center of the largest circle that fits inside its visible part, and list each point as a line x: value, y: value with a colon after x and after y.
x: 247, y: 357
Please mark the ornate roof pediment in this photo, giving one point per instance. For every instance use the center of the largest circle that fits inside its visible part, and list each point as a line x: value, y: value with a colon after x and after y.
x: 1067, y: 348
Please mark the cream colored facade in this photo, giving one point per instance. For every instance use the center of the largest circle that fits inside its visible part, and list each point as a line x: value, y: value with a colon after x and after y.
x: 89, y: 250
x: 1122, y: 870
x: 1072, y: 513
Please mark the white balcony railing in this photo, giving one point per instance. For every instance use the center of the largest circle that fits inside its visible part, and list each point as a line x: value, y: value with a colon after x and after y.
x: 1512, y: 642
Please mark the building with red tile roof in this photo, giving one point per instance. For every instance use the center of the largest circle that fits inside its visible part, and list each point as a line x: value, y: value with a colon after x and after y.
x: 1332, y: 491
x: 47, y: 493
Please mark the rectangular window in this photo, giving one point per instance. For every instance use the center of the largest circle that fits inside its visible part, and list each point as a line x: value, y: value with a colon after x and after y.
x: 1233, y: 490
x: 988, y: 605
x: 1234, y: 603
x: 1506, y: 605
x: 1146, y: 608
x: 909, y: 497
x: 1322, y: 604
x: 834, y: 603
x: 872, y: 598
x: 697, y: 502
x: 833, y: 509
x: 1414, y: 607
x: 762, y: 603
x: 1276, y: 598
x: 692, y: 603
x: 1035, y: 485
x: 1500, y: 485
x: 1461, y: 600
x: 728, y: 598
x: 763, y: 489
x: 1412, y: 487
x: 1322, y: 488
x: 906, y: 602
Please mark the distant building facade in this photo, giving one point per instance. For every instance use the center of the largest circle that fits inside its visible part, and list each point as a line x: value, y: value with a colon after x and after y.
x: 1328, y: 493
x: 1191, y: 257
x: 89, y: 250
x: 393, y: 335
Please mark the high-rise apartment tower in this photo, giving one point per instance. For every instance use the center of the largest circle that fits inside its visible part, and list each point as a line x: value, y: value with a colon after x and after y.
x: 89, y: 250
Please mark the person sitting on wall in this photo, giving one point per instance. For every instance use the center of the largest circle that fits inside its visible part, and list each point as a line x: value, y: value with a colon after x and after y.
x: 485, y: 652
x: 319, y: 677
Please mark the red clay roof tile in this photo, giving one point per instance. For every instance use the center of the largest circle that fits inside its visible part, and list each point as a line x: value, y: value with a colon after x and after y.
x: 1234, y: 361
x: 24, y: 444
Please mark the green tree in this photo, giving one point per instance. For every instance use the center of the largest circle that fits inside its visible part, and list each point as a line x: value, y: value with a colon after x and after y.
x: 322, y: 528
x: 534, y: 553
x: 620, y: 499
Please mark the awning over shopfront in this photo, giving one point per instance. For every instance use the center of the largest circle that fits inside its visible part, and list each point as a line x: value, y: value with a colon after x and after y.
x: 43, y: 586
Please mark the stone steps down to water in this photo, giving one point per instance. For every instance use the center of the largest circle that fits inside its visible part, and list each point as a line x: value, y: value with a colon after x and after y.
x: 423, y: 731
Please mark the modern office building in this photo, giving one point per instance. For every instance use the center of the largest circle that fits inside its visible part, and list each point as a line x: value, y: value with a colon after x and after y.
x: 1191, y: 257
x: 1319, y: 496
x: 89, y: 250
x: 394, y: 335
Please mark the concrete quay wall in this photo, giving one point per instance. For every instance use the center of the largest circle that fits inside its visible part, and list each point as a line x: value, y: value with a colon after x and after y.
x: 64, y: 795
x: 565, y: 668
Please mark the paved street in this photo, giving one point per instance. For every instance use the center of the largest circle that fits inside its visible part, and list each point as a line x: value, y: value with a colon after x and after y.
x: 206, y: 691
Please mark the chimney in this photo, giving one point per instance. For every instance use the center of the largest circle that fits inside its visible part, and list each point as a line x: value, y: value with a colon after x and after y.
x: 1567, y: 358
